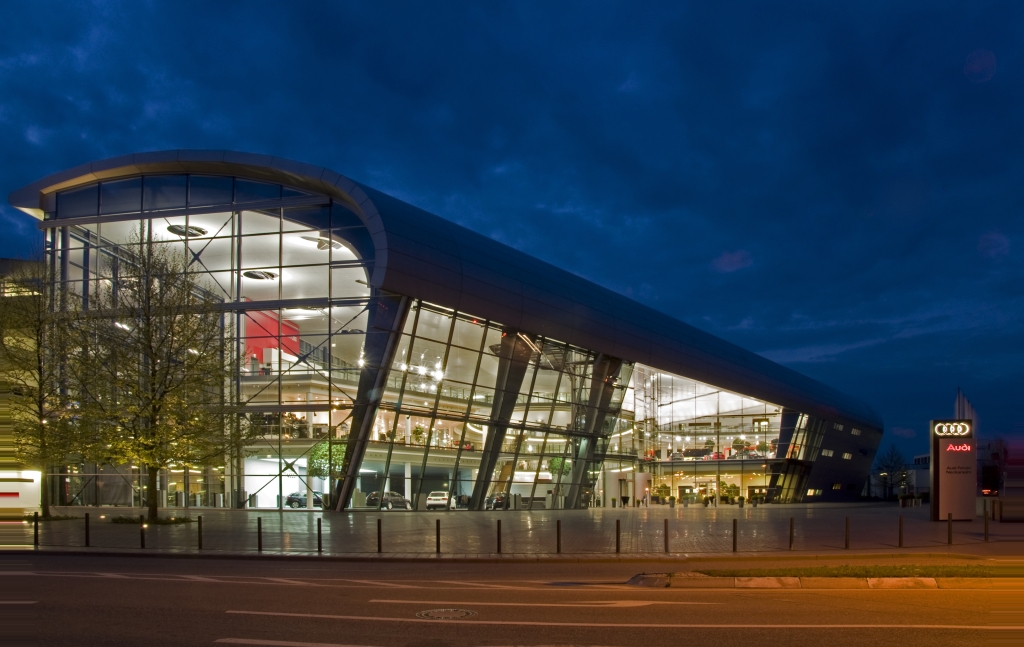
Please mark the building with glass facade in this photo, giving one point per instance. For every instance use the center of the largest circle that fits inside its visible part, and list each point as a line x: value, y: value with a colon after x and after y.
x: 386, y: 350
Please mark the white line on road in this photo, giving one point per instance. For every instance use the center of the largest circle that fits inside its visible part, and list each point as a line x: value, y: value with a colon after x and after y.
x: 598, y: 604
x: 277, y: 643
x: 19, y: 601
x: 625, y: 625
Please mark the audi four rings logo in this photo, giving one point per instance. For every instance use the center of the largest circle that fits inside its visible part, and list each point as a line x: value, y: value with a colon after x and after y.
x: 952, y: 429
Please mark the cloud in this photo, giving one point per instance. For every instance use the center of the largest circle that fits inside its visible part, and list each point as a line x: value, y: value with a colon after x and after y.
x: 820, y: 353
x: 903, y: 432
x: 980, y: 66
x: 656, y: 144
x: 993, y: 245
x: 732, y: 261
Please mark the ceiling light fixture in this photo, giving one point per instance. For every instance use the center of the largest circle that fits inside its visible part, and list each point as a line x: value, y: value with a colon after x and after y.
x: 259, y: 275
x: 322, y: 242
x: 182, y: 230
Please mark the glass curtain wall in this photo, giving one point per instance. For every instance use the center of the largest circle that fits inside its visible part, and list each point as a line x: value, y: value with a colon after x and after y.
x: 291, y: 272
x: 691, y: 441
x: 465, y: 396
x: 476, y: 413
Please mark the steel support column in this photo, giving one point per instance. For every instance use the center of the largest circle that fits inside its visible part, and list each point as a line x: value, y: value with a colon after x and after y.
x: 386, y: 318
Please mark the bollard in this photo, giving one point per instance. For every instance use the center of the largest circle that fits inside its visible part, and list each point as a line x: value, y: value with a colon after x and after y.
x: 142, y: 531
x: 901, y: 531
x: 617, y: 535
x: 86, y: 529
x: 499, y: 536
x: 35, y: 528
x: 319, y: 536
x: 200, y: 529
x: 791, y: 533
x: 986, y: 525
x: 847, y: 533
x: 379, y: 543
x: 734, y: 535
x: 558, y: 540
x: 437, y: 538
x: 949, y: 528
x: 666, y: 535
x: 259, y: 534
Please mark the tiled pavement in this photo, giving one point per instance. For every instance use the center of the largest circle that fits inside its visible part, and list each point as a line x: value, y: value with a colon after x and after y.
x: 819, y: 528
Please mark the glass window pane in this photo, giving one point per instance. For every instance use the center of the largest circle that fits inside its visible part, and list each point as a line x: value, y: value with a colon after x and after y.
x: 78, y: 203
x: 163, y: 192
x: 204, y: 190
x: 123, y: 196
x: 260, y: 222
x: 250, y: 191
x: 261, y: 251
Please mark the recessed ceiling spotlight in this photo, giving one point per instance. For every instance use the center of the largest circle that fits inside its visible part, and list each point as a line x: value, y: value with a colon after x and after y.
x: 259, y: 275
x: 182, y: 230
x: 322, y: 242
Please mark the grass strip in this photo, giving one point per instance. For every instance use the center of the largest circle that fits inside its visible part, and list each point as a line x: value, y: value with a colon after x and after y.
x: 862, y: 571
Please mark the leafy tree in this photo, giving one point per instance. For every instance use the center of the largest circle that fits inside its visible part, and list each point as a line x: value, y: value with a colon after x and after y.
x: 559, y: 465
x: 34, y: 353
x: 153, y: 364
x: 325, y: 461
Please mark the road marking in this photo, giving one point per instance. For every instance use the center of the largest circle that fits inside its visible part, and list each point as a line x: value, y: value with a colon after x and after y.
x: 277, y: 643
x: 383, y: 583
x: 597, y: 604
x: 19, y: 601
x: 624, y: 625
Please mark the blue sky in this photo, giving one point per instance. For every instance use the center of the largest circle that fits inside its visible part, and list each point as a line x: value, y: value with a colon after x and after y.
x: 836, y: 187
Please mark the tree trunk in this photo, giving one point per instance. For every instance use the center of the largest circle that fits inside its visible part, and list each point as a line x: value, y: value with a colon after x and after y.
x: 44, y: 492
x: 152, y: 496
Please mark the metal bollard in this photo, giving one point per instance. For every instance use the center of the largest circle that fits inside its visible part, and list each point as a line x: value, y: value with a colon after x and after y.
x: 259, y: 534
x: 86, y: 529
x: 847, y: 533
x: 618, y: 529
x: 949, y: 528
x: 379, y: 543
x: 986, y: 525
x: 200, y: 529
x: 499, y: 536
x: 791, y: 523
x: 901, y: 531
x: 35, y: 528
x: 558, y: 532
x: 319, y: 535
x: 142, y: 531
x: 437, y: 532
x: 734, y: 535
x: 666, y: 535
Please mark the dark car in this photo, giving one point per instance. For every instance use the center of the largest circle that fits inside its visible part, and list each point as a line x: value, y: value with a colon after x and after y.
x: 495, y: 502
x: 298, y: 500
x: 392, y: 500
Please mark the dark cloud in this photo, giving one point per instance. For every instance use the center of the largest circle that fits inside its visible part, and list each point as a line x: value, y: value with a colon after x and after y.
x: 864, y: 159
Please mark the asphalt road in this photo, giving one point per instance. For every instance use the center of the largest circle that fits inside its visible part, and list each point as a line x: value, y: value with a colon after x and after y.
x: 67, y: 600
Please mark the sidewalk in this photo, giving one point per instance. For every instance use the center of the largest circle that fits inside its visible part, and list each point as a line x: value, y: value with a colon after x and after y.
x: 586, y: 535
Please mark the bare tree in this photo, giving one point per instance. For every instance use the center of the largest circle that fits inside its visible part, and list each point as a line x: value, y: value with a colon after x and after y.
x: 891, y: 468
x: 154, y: 364
x: 34, y: 345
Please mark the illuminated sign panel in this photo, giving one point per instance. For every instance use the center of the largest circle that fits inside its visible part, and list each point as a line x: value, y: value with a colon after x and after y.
x: 953, y: 463
x: 944, y: 429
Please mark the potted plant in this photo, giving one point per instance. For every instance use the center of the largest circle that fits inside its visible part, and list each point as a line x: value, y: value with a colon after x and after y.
x: 671, y: 502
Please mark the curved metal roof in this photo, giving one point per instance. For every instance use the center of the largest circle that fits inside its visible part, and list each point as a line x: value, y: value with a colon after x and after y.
x: 421, y: 255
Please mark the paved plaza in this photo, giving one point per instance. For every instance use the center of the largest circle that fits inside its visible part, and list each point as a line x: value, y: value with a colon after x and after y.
x: 591, y: 534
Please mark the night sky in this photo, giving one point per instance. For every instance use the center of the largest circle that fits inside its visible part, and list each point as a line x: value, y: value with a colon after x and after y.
x: 836, y: 186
